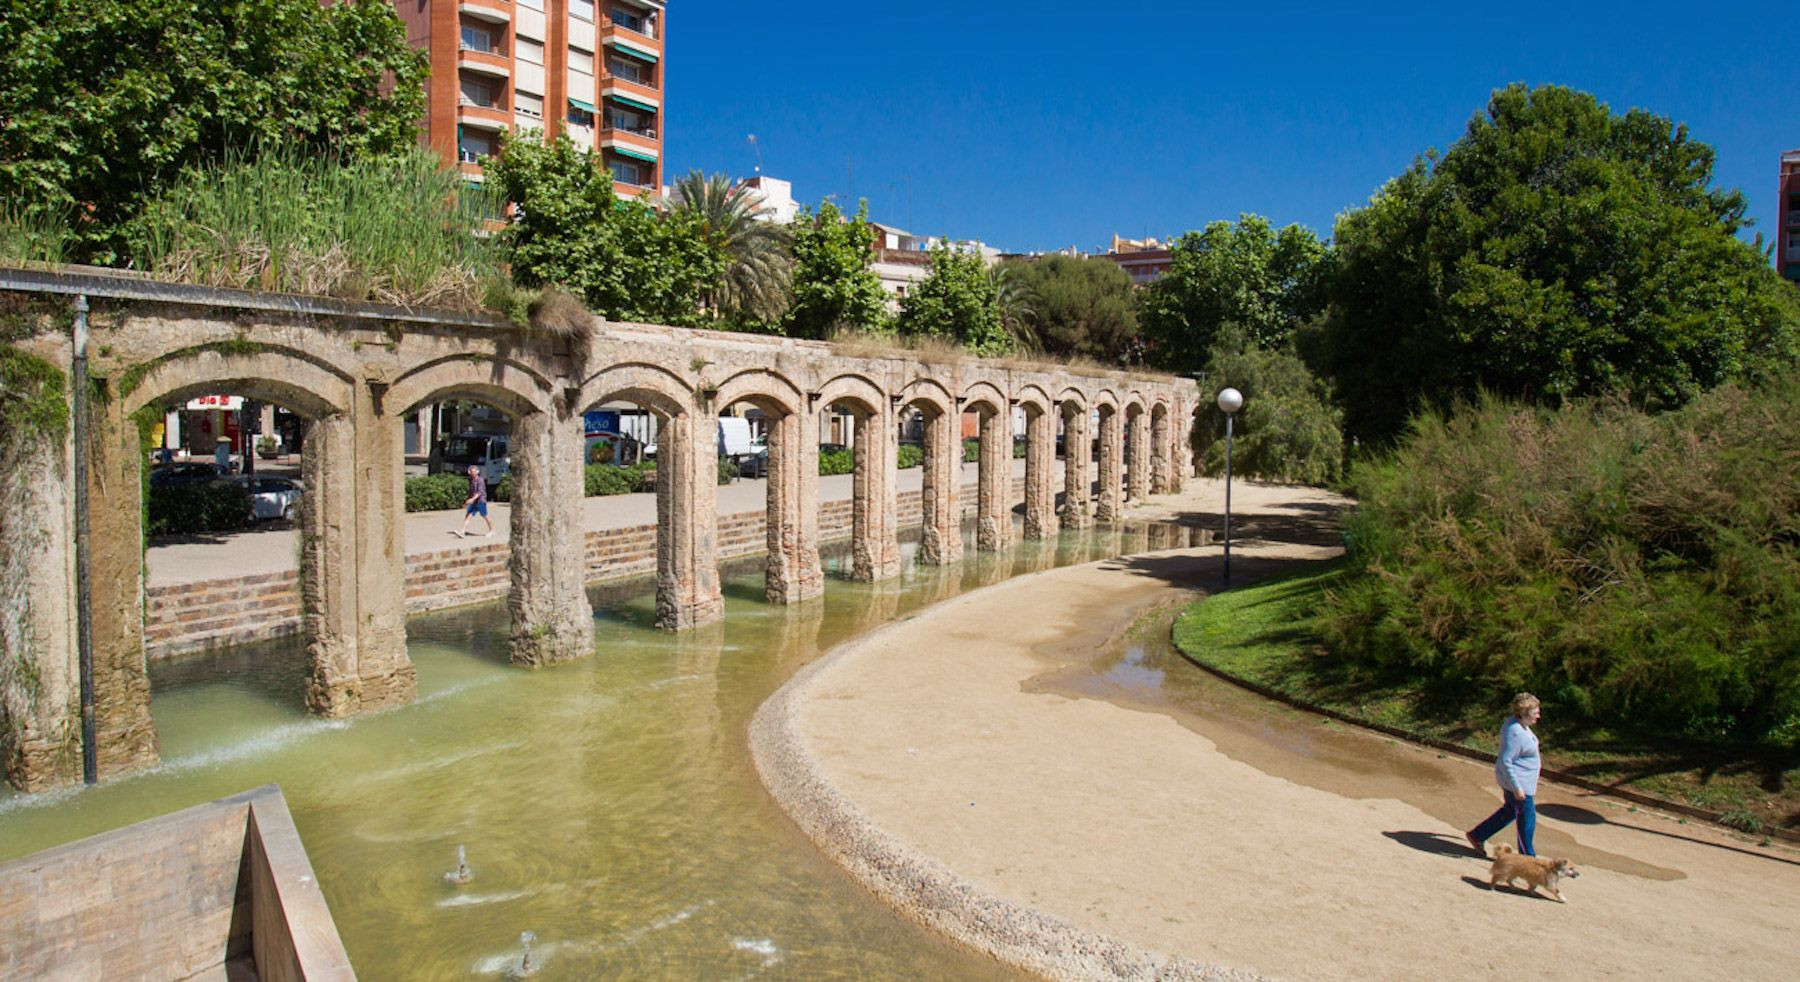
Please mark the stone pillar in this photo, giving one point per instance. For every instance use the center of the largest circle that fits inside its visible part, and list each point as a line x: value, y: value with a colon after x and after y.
x: 124, y: 734
x: 993, y: 500
x: 40, y: 681
x: 1112, y: 439
x: 874, y: 527
x: 687, y: 522
x: 793, y: 571
x: 1137, y: 473
x: 940, y: 535
x: 1078, y: 446
x: 1178, y: 441
x: 1040, y: 485
x: 352, y: 562
x: 1159, y: 452
x: 551, y: 619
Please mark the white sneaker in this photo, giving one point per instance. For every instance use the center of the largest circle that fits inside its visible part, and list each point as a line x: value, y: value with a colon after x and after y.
x: 459, y: 533
x: 487, y: 535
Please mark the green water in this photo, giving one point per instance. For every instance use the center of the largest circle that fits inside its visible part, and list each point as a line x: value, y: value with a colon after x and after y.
x: 609, y: 805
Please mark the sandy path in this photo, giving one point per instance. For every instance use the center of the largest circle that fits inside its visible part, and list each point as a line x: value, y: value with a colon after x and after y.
x: 1080, y: 837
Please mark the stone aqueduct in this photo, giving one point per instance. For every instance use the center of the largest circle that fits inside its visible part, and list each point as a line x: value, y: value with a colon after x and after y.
x: 355, y: 371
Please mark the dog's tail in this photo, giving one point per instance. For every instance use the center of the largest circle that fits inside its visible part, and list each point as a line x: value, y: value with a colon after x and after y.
x: 1503, y: 849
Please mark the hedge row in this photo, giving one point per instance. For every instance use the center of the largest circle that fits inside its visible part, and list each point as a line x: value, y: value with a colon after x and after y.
x: 198, y: 508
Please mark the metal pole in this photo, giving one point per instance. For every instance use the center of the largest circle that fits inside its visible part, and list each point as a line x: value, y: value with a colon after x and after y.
x: 1228, y: 499
x: 84, y: 628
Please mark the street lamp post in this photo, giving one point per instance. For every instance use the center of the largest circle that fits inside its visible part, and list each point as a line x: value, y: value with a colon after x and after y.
x: 1230, y: 401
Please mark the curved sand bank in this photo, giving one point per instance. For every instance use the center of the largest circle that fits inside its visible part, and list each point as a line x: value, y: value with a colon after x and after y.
x: 1079, y: 838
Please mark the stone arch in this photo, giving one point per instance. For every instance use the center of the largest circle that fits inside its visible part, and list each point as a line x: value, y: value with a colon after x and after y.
x: 874, y: 532
x: 1137, y: 446
x: 1161, y: 452
x: 761, y: 387
x: 1076, y: 408
x: 929, y: 392
x: 1072, y: 395
x: 1033, y: 395
x: 275, y: 375
x: 507, y: 385
x: 1105, y: 399
x: 855, y: 388
x: 652, y: 386
x: 940, y: 508
x: 984, y: 393
x: 1041, y: 421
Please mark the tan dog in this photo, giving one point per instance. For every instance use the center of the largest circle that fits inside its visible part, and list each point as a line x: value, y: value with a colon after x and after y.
x: 1536, y: 871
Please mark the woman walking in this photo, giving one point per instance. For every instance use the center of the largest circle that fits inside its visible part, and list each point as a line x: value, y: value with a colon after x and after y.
x: 1516, y: 768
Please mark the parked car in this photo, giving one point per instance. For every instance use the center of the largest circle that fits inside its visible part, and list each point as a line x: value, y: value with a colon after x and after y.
x: 270, y: 497
x: 185, y: 475
x: 754, y: 465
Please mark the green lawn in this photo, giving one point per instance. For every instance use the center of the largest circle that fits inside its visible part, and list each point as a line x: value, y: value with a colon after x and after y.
x: 1263, y: 634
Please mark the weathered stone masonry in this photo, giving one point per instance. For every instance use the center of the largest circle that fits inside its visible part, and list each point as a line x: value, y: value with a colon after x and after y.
x: 355, y: 371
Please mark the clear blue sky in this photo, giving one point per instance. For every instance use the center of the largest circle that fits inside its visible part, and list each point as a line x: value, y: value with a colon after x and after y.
x: 1043, y: 125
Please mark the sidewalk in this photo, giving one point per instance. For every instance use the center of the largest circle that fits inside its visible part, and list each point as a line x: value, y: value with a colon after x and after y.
x: 189, y: 559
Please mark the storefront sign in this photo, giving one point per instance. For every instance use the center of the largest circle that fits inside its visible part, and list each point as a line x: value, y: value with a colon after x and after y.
x: 228, y: 403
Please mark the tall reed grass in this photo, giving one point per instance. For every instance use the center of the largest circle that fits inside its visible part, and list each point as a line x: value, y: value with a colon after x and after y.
x: 1640, y: 571
x: 395, y: 230
x: 32, y: 235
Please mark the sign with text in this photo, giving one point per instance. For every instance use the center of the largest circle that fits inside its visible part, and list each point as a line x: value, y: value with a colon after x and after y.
x: 229, y: 403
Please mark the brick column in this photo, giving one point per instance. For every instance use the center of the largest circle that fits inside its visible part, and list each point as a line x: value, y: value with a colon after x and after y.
x: 1137, y: 473
x: 993, y: 501
x: 1040, y: 485
x: 1078, y: 446
x: 124, y: 734
x: 1159, y: 452
x: 793, y: 571
x: 874, y: 528
x: 1112, y: 439
x: 940, y: 538
x: 687, y: 523
x: 551, y: 618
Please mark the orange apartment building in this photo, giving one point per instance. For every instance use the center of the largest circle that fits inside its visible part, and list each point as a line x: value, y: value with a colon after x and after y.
x: 593, y: 70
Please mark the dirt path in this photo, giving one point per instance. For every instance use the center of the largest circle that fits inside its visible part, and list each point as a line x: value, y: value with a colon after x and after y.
x: 948, y: 762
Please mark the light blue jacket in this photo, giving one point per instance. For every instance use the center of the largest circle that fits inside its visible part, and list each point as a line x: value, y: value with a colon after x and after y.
x: 1517, y: 766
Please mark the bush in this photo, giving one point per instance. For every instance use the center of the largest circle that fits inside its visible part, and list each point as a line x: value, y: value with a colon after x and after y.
x: 971, y: 450
x: 198, y: 508
x: 1635, y: 570
x: 910, y: 456
x: 728, y: 470
x: 437, y: 492
x: 603, y: 479
x: 836, y: 462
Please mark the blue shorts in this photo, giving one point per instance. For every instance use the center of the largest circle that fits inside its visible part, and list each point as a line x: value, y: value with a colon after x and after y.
x: 479, y: 507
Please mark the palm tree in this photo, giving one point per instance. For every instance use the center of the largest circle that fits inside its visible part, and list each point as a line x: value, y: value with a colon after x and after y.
x: 1013, y: 299
x: 758, y: 263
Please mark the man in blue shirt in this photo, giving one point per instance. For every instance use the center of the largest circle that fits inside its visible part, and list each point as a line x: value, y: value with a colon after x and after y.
x: 477, y: 503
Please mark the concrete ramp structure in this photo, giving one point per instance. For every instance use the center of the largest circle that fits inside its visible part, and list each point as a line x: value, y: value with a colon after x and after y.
x: 218, y: 891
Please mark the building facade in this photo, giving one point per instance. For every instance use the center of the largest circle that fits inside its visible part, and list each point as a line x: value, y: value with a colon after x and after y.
x: 1787, y: 204
x: 593, y: 70
x: 1144, y: 260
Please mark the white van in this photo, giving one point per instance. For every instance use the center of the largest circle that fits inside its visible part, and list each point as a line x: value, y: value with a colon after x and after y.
x: 487, y: 452
x: 734, y: 438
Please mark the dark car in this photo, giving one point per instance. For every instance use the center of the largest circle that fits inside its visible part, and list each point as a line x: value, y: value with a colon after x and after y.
x: 185, y: 475
x: 754, y: 465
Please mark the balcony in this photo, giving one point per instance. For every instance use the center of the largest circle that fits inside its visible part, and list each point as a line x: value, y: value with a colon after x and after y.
x: 477, y: 116
x: 638, y: 146
x: 489, y: 62
x: 635, y: 94
x: 641, y: 34
x: 492, y: 11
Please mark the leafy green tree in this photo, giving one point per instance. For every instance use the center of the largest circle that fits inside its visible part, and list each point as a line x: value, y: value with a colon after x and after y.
x: 1288, y: 430
x: 1264, y: 280
x: 955, y: 302
x: 105, y: 101
x: 1079, y: 306
x: 624, y: 259
x: 834, y: 285
x: 1555, y: 250
x: 758, y: 263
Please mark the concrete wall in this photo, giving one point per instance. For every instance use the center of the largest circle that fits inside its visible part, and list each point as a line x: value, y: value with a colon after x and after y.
x: 171, y: 898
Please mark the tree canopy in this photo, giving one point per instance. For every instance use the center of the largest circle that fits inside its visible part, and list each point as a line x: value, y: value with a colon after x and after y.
x: 735, y: 223
x: 956, y: 303
x: 1555, y: 250
x: 105, y: 101
x: 1288, y: 429
x: 834, y: 287
x: 1247, y: 273
x: 624, y: 259
x: 1077, y: 306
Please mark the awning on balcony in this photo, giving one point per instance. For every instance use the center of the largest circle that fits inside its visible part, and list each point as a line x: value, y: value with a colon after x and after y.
x: 644, y: 155
x: 587, y: 106
x: 648, y: 107
x: 632, y: 49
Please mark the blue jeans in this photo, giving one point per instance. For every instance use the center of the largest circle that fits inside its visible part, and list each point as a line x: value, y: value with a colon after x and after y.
x: 1517, y: 807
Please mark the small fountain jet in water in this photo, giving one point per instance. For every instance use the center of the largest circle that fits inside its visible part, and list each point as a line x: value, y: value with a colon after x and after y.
x: 526, y: 966
x: 461, y: 874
